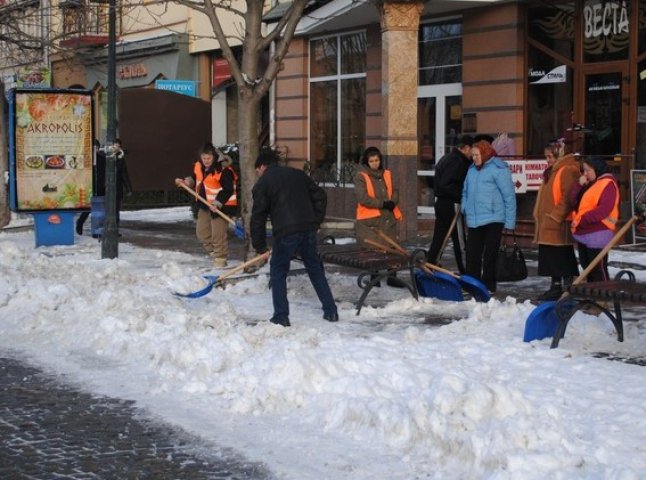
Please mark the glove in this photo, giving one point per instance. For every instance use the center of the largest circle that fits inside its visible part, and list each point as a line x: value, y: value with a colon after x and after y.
x: 388, y: 205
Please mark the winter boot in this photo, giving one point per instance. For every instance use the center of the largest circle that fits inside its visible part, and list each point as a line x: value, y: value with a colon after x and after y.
x: 554, y: 293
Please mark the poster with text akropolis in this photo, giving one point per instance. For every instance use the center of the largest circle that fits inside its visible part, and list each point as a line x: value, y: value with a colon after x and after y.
x: 52, y: 149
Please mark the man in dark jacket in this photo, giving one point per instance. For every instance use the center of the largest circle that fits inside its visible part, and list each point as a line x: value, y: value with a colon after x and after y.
x: 450, y: 173
x: 296, y: 207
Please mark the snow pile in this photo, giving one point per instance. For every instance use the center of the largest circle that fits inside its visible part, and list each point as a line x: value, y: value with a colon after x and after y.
x: 385, y: 395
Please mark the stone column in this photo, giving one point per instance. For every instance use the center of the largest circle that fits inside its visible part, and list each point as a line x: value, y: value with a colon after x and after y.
x: 399, y: 27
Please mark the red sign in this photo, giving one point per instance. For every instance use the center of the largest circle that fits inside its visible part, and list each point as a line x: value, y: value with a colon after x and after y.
x: 221, y: 71
x: 135, y: 70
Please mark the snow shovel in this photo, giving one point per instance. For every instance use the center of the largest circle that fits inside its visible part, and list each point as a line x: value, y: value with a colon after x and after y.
x: 213, y: 280
x: 472, y: 285
x: 543, y: 321
x: 475, y: 287
x: 429, y: 284
x: 454, y: 222
x: 438, y: 285
x: 237, y: 229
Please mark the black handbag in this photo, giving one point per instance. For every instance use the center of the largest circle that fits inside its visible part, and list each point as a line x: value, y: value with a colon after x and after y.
x: 511, y: 266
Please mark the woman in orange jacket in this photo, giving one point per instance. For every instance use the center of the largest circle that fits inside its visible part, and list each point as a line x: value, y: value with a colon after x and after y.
x: 552, y: 217
x: 596, y: 214
x: 377, y: 200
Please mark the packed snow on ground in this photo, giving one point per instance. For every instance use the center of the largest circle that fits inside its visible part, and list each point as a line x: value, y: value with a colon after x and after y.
x: 380, y: 395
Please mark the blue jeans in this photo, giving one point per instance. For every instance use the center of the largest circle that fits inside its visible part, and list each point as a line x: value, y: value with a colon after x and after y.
x: 283, y: 250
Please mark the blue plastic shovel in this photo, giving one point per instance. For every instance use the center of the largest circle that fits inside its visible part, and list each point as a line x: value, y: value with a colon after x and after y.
x: 470, y: 284
x: 543, y: 321
x: 438, y: 285
x: 238, y: 231
x: 213, y: 280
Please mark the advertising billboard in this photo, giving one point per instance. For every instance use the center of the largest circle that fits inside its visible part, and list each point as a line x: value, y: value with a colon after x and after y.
x: 51, y: 150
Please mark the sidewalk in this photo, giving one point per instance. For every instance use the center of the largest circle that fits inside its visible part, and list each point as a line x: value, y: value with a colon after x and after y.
x: 51, y: 430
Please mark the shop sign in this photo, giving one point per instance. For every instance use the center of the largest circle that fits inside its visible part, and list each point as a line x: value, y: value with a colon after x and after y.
x: 556, y: 75
x: 605, y: 18
x: 221, y: 71
x: 638, y: 190
x: 135, y: 70
x: 597, y: 87
x: 517, y: 168
x: 527, y: 175
x: 34, y: 78
x: 641, y: 114
x: 51, y: 154
x: 183, y: 87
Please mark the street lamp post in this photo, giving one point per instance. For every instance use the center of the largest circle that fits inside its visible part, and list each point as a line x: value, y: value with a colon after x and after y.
x: 110, y: 240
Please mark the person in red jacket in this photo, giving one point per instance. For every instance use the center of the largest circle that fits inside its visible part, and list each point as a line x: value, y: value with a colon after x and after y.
x: 596, y: 213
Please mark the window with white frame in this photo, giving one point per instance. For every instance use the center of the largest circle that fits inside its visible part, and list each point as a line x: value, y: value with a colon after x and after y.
x: 440, y: 52
x: 337, y: 102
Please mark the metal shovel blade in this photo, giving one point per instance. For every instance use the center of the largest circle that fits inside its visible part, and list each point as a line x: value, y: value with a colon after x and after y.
x: 211, y: 281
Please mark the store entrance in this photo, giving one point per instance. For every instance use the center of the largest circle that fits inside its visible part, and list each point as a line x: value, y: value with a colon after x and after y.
x: 439, y: 123
x: 606, y: 113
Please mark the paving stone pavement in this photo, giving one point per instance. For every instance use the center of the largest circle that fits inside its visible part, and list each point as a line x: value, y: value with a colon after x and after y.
x: 50, y: 430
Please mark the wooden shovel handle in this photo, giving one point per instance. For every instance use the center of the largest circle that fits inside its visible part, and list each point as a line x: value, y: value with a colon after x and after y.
x: 454, y: 222
x: 605, y: 250
x: 384, y: 248
x: 402, y: 251
x: 440, y: 269
x: 392, y: 242
x: 212, y: 207
x: 242, y: 266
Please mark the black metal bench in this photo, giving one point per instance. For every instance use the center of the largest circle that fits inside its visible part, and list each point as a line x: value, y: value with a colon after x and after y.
x: 617, y: 291
x: 376, y: 266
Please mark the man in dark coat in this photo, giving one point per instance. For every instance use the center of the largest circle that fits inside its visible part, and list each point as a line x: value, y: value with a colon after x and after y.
x: 450, y: 173
x: 295, y: 205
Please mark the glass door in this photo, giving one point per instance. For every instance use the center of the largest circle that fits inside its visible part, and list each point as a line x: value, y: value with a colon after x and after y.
x: 439, y: 124
x: 604, y: 113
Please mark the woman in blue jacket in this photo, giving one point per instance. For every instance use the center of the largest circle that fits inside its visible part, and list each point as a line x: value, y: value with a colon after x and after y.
x: 488, y: 205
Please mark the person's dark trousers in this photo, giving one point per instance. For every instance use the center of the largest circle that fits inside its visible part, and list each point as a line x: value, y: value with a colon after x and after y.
x: 283, y: 250
x: 598, y: 273
x: 445, y: 210
x: 81, y: 221
x: 118, y: 209
x: 84, y: 216
x: 483, y: 244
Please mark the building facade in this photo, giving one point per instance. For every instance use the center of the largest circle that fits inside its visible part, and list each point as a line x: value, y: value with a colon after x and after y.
x: 409, y: 78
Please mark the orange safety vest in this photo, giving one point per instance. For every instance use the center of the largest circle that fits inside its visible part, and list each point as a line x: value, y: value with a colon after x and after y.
x: 590, y: 200
x: 212, y: 184
x: 364, y: 212
x: 557, y: 192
